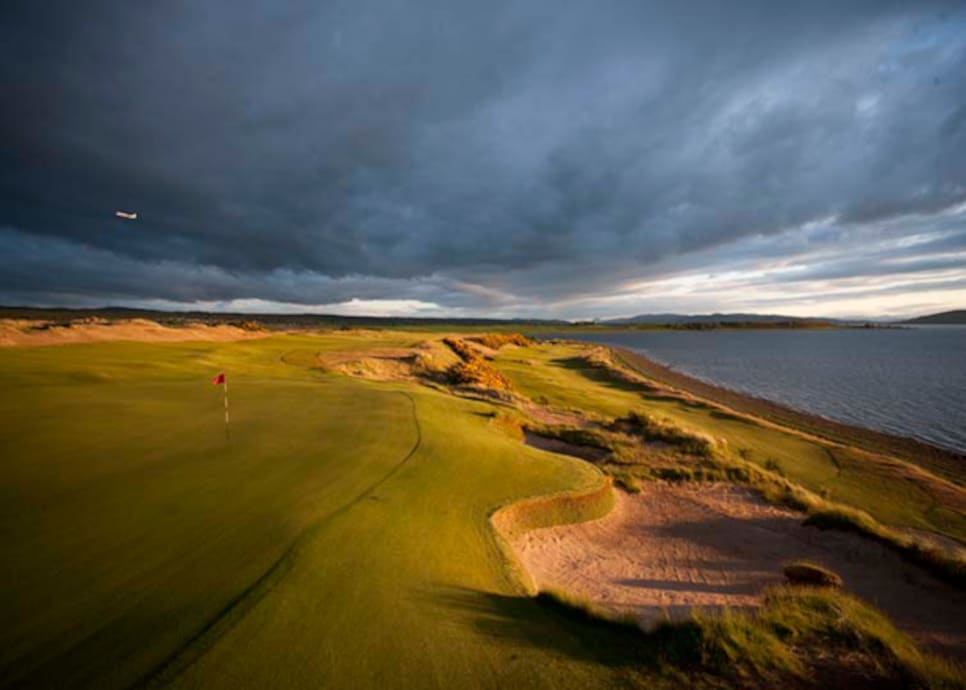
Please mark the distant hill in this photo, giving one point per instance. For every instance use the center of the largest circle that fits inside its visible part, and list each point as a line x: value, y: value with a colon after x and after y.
x: 276, y: 321
x: 720, y: 319
x: 956, y: 316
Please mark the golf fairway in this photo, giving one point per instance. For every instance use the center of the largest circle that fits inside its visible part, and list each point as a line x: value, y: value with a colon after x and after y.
x: 339, y: 538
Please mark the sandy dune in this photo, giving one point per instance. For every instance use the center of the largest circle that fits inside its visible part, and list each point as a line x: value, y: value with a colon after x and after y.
x: 20, y: 332
x: 675, y: 547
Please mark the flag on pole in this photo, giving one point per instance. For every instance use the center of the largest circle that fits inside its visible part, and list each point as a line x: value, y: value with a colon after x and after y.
x: 220, y: 380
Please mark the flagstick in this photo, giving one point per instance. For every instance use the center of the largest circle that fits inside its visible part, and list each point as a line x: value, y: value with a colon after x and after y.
x: 227, y: 428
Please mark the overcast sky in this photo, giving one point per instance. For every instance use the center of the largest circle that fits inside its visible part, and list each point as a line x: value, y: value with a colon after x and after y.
x: 448, y: 157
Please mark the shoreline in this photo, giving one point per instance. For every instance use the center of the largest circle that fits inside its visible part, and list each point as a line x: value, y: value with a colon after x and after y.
x: 946, y: 462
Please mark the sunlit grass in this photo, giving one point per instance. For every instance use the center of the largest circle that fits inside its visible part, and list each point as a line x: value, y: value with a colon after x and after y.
x: 559, y: 375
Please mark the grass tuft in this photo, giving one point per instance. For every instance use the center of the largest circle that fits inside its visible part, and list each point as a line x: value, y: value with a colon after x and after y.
x: 495, y: 341
x: 807, y: 573
x: 574, y: 435
x: 665, y: 431
x: 587, y: 608
x: 947, y: 568
x: 803, y: 634
x: 473, y: 370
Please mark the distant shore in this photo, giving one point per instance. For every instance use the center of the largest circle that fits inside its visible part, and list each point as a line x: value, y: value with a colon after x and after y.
x: 285, y: 321
x: 945, y: 462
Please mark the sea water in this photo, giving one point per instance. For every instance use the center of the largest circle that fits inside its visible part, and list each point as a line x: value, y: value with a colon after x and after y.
x: 907, y: 381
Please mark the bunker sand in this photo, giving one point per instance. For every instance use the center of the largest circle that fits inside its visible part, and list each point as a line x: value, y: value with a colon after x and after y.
x: 672, y: 548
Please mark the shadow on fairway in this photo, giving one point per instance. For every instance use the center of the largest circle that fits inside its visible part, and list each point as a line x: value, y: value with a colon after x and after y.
x: 603, y: 377
x: 543, y: 622
x: 597, y: 374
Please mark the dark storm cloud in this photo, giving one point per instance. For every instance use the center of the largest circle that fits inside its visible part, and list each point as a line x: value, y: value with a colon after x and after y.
x: 465, y: 154
x: 52, y: 266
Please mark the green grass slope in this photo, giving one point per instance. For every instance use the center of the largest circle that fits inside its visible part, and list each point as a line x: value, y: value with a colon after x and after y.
x: 408, y: 590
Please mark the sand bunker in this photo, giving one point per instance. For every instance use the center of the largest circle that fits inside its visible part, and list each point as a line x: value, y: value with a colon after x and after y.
x: 20, y: 332
x: 672, y: 548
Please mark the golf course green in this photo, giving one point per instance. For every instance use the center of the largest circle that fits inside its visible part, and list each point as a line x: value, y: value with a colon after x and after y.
x: 338, y: 536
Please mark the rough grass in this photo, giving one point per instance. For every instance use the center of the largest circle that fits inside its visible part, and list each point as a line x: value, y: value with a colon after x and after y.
x: 587, y: 608
x: 495, y: 341
x: 950, y: 568
x: 574, y: 435
x: 464, y: 351
x: 694, y: 457
x: 477, y: 373
x: 800, y: 635
x: 839, y: 486
x: 802, y: 572
x: 821, y: 512
x: 473, y: 370
x: 664, y: 430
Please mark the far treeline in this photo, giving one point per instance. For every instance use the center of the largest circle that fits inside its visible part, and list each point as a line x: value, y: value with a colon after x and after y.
x: 743, y: 325
x: 54, y: 317
x: 65, y: 316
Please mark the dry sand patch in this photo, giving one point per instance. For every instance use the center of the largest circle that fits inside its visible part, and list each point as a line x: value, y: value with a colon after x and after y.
x: 20, y: 332
x: 675, y: 547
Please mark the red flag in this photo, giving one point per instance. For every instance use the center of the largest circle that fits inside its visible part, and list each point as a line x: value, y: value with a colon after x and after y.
x: 218, y: 380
